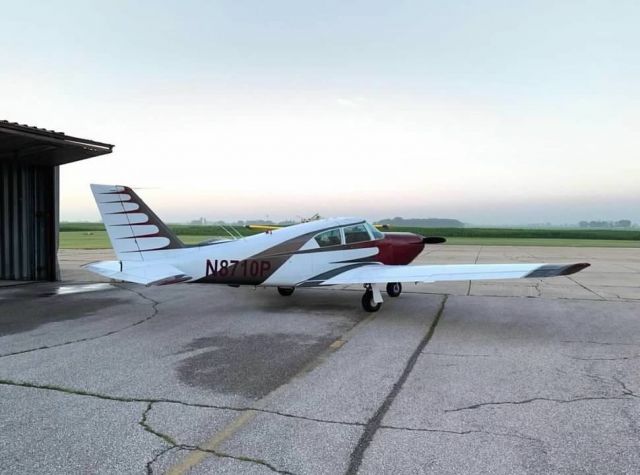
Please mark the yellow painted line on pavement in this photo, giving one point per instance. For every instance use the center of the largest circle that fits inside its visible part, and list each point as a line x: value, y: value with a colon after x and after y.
x: 336, y: 344
x: 197, y: 456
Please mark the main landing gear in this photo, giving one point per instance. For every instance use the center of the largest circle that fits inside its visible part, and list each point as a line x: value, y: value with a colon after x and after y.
x: 372, y: 298
x: 285, y: 291
x: 394, y: 289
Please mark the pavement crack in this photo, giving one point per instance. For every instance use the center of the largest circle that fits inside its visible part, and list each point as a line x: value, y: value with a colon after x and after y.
x: 424, y: 429
x: 593, y: 342
x: 373, y: 424
x: 475, y: 262
x: 151, y: 401
x: 154, y: 307
x: 538, y: 289
x: 241, y: 458
x: 535, y: 399
x: 625, y: 390
x: 144, y: 422
x: 173, y: 444
x: 615, y: 358
x: 147, y: 427
x: 149, y: 465
x: 457, y: 355
x: 312, y: 419
x: 463, y: 432
x: 586, y: 288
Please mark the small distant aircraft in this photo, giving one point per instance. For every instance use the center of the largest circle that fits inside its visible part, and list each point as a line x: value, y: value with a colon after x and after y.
x: 316, y: 253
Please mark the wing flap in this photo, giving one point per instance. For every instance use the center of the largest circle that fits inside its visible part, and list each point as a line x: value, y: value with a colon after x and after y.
x: 139, y: 272
x: 378, y: 273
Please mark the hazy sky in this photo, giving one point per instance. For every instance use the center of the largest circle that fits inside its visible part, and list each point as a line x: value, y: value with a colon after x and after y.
x: 489, y: 112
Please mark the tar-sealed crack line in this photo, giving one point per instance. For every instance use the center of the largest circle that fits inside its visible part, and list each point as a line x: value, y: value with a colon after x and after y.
x: 586, y: 288
x: 79, y: 392
x: 375, y: 421
x: 462, y: 432
x: 536, y: 399
x: 173, y: 444
x: 625, y: 390
x: 593, y: 342
x: 240, y: 458
x: 614, y: 358
x: 425, y: 429
x: 149, y: 465
x: 154, y: 307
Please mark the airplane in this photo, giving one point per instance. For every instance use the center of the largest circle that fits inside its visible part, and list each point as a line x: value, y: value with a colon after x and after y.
x: 317, y: 253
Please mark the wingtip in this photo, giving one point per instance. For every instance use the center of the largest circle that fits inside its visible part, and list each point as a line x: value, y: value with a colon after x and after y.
x: 554, y: 270
x: 573, y: 268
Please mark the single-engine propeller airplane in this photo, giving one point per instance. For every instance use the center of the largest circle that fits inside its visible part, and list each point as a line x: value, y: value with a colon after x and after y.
x: 318, y: 253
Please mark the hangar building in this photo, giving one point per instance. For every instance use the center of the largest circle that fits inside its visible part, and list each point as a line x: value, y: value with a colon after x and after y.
x: 29, y: 181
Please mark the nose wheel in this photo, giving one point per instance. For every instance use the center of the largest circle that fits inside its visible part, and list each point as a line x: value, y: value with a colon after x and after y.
x: 372, y: 299
x: 394, y: 289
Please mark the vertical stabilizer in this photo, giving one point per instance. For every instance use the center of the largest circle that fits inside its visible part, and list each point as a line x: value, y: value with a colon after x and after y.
x: 135, y: 232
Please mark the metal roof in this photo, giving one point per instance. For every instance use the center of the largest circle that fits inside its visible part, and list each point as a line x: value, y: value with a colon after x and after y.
x: 24, y: 143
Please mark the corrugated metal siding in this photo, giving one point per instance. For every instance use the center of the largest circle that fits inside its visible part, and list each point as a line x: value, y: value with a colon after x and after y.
x: 28, y: 222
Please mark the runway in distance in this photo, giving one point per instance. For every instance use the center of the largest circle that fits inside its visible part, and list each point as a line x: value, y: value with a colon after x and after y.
x: 318, y: 253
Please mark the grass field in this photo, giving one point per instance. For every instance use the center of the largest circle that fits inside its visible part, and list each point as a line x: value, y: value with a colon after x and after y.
x: 542, y: 242
x: 500, y: 233
x: 97, y: 239
x: 100, y: 240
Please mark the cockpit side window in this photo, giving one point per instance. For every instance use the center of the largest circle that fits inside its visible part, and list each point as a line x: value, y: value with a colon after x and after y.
x: 329, y: 238
x: 356, y: 233
x: 374, y: 232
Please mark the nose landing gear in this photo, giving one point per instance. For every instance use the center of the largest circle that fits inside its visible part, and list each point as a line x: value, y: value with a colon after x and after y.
x: 372, y: 298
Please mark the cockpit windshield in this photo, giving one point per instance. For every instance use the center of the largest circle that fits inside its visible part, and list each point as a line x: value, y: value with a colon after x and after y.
x: 374, y: 232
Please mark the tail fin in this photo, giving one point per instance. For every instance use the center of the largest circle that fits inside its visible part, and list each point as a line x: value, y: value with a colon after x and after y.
x: 136, y: 233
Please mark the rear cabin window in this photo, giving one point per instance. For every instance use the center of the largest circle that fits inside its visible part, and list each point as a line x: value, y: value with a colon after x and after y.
x: 329, y: 238
x: 357, y: 233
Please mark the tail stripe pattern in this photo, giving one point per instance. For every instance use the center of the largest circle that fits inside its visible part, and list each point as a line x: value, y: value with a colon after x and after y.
x: 134, y: 230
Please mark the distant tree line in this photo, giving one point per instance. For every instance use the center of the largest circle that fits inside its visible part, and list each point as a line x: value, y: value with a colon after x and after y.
x: 623, y: 223
x: 423, y: 222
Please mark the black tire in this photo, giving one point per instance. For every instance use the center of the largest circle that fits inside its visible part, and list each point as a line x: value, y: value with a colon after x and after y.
x: 285, y: 291
x: 394, y: 289
x: 368, y: 304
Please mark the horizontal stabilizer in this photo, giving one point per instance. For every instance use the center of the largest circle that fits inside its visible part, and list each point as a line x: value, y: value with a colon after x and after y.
x: 138, y: 272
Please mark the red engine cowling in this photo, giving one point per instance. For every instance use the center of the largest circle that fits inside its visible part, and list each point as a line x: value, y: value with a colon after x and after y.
x: 399, y: 248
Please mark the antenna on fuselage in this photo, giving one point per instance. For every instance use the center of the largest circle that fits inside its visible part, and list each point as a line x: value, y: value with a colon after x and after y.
x: 229, y: 230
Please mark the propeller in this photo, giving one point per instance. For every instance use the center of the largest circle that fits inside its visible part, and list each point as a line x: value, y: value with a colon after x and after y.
x: 433, y: 240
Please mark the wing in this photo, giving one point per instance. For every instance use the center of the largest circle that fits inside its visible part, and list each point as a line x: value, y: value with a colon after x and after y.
x: 382, y: 226
x: 138, y: 272
x: 263, y: 227
x: 378, y: 273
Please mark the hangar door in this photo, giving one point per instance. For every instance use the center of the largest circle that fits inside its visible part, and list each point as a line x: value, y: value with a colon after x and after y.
x: 28, y: 222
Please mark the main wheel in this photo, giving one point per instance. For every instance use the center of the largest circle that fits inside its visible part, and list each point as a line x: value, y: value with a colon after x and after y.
x: 394, y: 289
x: 368, y: 304
x: 285, y: 291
